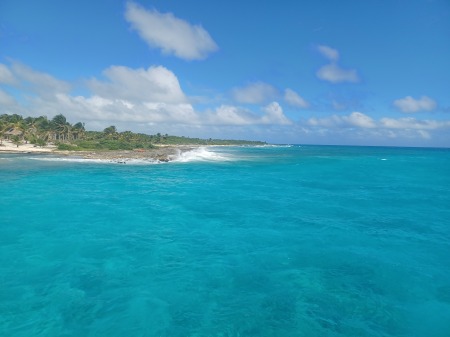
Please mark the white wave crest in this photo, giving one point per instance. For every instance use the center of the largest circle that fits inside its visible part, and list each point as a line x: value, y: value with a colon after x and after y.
x: 200, y: 154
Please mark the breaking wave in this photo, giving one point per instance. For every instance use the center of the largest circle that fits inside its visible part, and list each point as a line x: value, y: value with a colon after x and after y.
x: 201, y: 154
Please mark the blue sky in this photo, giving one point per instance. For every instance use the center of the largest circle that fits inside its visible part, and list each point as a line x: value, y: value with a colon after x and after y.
x: 320, y: 72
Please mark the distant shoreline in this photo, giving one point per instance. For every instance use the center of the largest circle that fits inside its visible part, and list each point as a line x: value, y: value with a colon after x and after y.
x: 163, y: 153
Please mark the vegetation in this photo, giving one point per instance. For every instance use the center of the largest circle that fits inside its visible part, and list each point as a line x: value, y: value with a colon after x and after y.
x: 42, y: 131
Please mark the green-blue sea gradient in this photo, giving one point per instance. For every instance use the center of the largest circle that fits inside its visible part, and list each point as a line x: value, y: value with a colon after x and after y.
x: 273, y: 241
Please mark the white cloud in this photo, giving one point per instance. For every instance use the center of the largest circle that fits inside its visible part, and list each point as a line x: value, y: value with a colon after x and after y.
x: 232, y: 115
x: 327, y: 122
x: 360, y: 120
x: 40, y: 83
x: 361, y: 129
x: 413, y: 123
x: 153, y: 84
x: 274, y: 115
x: 335, y: 74
x: 6, y: 76
x: 6, y: 100
x: 294, y: 99
x: 129, y: 96
x: 96, y: 108
x: 332, y: 72
x: 409, y: 104
x: 355, y: 119
x: 255, y: 93
x: 330, y: 53
x: 169, y: 33
x: 151, y: 100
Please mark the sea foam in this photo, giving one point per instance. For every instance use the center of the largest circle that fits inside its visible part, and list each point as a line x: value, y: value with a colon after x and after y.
x: 201, y: 154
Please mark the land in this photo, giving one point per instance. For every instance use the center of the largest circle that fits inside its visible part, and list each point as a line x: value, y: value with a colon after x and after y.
x: 57, y: 136
x: 161, y: 153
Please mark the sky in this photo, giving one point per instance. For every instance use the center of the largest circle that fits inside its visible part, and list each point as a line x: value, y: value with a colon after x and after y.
x: 350, y: 72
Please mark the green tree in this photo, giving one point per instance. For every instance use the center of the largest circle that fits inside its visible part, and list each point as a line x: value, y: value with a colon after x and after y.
x: 16, y: 140
x: 78, y: 130
x: 62, y: 129
x: 59, y: 120
x: 110, y: 130
x: 40, y: 142
x: 3, y: 126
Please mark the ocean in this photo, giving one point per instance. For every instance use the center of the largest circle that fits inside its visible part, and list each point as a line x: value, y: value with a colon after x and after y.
x: 228, y: 241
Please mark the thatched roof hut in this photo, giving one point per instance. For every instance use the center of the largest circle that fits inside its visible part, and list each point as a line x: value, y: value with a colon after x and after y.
x: 13, y: 132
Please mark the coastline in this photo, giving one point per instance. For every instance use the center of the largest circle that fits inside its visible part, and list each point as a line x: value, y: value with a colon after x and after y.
x: 164, y: 153
x: 8, y: 147
x: 160, y: 154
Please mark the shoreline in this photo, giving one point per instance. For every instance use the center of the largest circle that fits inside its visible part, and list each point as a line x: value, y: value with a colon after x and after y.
x: 164, y: 153
x: 9, y: 147
x: 160, y: 154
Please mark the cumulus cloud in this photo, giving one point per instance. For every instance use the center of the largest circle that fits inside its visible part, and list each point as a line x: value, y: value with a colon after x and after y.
x: 294, y: 99
x: 274, y: 115
x: 232, y: 115
x: 330, y: 53
x: 335, y: 74
x: 169, y: 33
x: 360, y: 120
x: 152, y: 100
x: 410, y: 104
x: 156, y: 83
x: 254, y: 93
x: 126, y: 96
x: 107, y: 110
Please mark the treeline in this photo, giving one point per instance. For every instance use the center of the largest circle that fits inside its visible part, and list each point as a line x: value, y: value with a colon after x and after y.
x: 39, y: 130
x: 57, y: 131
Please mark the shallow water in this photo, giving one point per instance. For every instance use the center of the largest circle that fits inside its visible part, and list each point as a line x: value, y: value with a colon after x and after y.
x: 269, y: 241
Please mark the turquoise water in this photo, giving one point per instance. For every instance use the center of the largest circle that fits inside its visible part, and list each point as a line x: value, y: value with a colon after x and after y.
x: 271, y: 241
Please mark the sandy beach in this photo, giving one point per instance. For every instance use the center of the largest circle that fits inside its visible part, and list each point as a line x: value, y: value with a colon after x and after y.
x: 8, y: 146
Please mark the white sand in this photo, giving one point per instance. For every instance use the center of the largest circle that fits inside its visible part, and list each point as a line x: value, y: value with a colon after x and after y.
x: 8, y: 146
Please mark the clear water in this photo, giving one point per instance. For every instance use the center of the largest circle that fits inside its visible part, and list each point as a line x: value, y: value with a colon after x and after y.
x: 272, y: 241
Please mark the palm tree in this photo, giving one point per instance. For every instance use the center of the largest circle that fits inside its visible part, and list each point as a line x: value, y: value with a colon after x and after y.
x: 60, y: 127
x: 16, y: 140
x: 45, y: 128
x: 110, y: 132
x: 78, y: 130
x: 2, y: 131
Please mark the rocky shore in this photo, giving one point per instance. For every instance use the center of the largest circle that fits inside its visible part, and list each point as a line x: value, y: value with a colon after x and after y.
x: 161, y: 154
